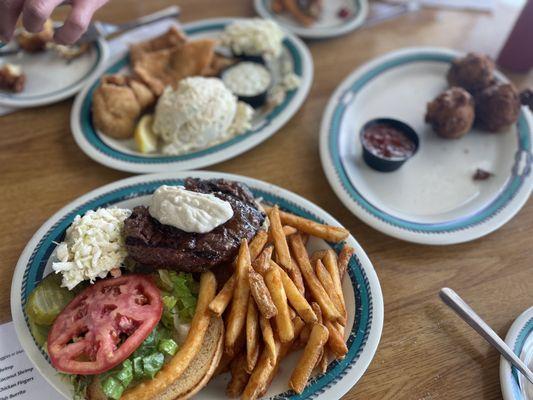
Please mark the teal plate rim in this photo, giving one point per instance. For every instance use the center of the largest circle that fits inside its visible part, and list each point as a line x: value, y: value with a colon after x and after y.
x: 94, y: 139
x: 513, y: 186
x: 363, y: 319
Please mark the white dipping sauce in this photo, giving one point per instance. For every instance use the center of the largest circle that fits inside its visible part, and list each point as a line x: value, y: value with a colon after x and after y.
x: 247, y: 79
x: 189, y: 211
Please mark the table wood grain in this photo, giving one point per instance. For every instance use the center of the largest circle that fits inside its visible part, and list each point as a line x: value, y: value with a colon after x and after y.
x: 425, y: 351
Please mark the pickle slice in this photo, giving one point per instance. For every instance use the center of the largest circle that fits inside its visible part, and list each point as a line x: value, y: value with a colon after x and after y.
x: 47, y: 300
x: 39, y: 332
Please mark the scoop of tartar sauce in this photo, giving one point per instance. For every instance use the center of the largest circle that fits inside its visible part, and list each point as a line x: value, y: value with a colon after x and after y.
x: 93, y: 246
x: 189, y: 211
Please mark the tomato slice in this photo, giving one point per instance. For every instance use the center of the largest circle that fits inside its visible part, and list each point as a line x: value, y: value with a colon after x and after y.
x: 104, y: 324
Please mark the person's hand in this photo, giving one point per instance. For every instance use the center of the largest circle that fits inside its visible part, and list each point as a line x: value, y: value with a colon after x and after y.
x: 35, y: 12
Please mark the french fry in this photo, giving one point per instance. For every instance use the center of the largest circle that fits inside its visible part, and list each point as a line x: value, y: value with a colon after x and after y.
x: 239, y: 377
x: 344, y: 258
x: 297, y: 301
x: 327, y: 282
x: 257, y: 244
x: 261, y: 295
x: 289, y: 230
x: 191, y: 346
x: 341, y: 328
x: 260, y: 375
x: 279, y: 239
x: 252, y: 336
x: 309, y: 358
x: 296, y: 276
x: 224, y: 364
x: 329, y: 233
x: 236, y: 319
x: 262, y: 263
x: 330, y: 262
x: 283, y: 350
x: 316, y: 289
x: 268, y: 337
x: 323, y: 362
x: 336, y: 341
x: 317, y: 255
x: 292, y: 313
x: 282, y: 318
x: 223, y: 298
x: 318, y: 312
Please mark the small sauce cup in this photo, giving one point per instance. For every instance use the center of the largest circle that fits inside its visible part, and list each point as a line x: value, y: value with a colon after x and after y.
x: 387, y: 143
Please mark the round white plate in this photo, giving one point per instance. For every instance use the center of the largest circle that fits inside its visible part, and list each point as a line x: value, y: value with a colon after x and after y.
x: 122, y: 155
x: 329, y: 24
x: 520, y: 339
x: 362, y: 290
x: 50, y: 78
x: 432, y: 198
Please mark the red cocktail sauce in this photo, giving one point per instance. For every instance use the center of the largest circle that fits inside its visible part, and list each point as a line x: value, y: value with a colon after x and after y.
x: 386, y: 141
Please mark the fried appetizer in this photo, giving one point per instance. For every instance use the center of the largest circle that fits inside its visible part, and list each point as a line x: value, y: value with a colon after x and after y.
x: 474, y: 72
x: 35, y: 42
x: 305, y: 12
x: 161, y: 68
x: 451, y: 114
x: 498, y: 107
x: 12, y: 79
x: 118, y: 103
x: 171, y: 39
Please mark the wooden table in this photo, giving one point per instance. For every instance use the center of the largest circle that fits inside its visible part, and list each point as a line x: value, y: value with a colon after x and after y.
x: 425, y: 351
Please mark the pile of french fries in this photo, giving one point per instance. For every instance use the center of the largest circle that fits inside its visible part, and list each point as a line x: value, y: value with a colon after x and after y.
x: 279, y: 299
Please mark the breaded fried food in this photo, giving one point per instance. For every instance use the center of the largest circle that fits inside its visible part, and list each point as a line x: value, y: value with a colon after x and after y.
x: 161, y: 68
x: 451, y: 114
x: 118, y: 103
x: 474, y: 72
x: 35, y: 42
x: 498, y: 107
x: 12, y: 79
x: 169, y: 40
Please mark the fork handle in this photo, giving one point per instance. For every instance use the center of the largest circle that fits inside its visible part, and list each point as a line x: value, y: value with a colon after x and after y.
x: 457, y: 304
x: 169, y: 12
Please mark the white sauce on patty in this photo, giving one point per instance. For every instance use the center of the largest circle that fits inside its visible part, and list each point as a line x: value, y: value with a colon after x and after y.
x: 187, y: 210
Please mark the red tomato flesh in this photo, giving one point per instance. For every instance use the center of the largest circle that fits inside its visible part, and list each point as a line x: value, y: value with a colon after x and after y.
x: 104, y: 324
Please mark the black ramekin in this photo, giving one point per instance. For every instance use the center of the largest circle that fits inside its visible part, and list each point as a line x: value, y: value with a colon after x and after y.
x: 259, y: 99
x: 384, y: 164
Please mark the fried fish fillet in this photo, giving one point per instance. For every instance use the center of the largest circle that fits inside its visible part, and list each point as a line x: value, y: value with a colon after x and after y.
x: 161, y: 68
x: 171, y: 39
x: 118, y: 103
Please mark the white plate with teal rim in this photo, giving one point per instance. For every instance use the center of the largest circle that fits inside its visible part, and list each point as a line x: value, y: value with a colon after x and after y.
x: 362, y: 290
x: 122, y: 155
x: 51, y: 78
x: 432, y: 198
x: 330, y: 23
x: 520, y: 339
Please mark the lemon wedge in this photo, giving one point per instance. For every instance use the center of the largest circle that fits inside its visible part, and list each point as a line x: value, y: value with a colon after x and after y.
x: 145, y: 139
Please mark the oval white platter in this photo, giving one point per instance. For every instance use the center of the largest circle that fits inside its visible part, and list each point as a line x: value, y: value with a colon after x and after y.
x: 122, y: 154
x: 432, y: 198
x: 50, y: 78
x: 362, y: 290
x: 329, y: 24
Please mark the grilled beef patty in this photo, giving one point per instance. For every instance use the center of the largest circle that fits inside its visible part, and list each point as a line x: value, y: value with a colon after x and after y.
x: 153, y: 244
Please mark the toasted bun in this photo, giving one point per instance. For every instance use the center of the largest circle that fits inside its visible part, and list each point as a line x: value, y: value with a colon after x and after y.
x: 201, y: 368
x: 197, y: 374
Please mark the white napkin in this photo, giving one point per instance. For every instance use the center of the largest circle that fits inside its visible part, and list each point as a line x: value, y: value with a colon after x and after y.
x: 119, y: 45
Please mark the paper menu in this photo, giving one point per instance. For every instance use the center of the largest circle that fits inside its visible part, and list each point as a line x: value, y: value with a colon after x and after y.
x: 19, y: 379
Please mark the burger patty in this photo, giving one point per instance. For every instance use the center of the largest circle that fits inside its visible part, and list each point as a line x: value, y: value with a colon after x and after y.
x: 153, y: 244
